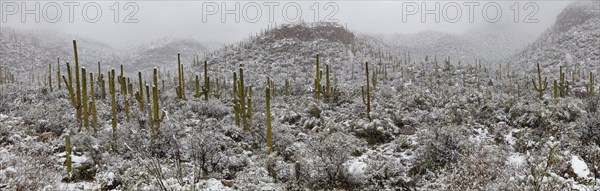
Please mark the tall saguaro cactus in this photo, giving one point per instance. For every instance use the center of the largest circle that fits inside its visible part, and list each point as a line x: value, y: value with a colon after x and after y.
x: 58, y: 72
x: 141, y: 92
x: 84, y: 97
x: 242, y: 109
x: 206, y: 87
x: 68, y: 155
x: 180, y: 79
x: 590, y: 86
x: 269, y: 128
x: 101, y: 82
x: 113, y: 101
x: 157, y: 119
x: 77, y: 80
x: 93, y: 104
x: 366, y: 94
x: 563, y: 85
x: 318, y: 76
x: 50, y: 76
x: 541, y: 86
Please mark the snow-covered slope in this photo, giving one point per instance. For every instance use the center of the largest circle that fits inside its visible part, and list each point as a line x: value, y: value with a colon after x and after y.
x: 486, y: 44
x: 573, y: 40
x: 163, y: 53
x: 24, y: 51
x: 290, y: 50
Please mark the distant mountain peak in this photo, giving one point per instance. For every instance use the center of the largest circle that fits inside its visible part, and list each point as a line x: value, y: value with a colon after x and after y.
x: 313, y: 31
x: 576, y: 14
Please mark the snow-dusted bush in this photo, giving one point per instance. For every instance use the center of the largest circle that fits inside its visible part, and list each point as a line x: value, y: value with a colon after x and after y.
x: 441, y: 147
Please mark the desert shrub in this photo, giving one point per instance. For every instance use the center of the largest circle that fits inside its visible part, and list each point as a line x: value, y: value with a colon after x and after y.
x: 441, y: 147
x: 211, y: 109
x: 589, y: 129
x: 373, y: 136
x: 331, y: 152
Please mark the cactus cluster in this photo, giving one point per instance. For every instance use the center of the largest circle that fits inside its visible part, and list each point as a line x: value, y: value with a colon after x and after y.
x: 328, y: 90
x: 156, y: 119
x: 74, y: 92
x: 242, y: 98
x: 563, y: 85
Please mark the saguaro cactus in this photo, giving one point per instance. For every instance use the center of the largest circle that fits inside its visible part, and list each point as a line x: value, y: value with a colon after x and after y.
x: 93, y: 104
x: 206, y: 87
x: 556, y: 92
x: 236, y: 104
x: 287, y: 87
x: 366, y: 94
x: 197, y: 87
x: 141, y: 92
x: 590, y: 86
x: 57, y: 72
x: 101, y: 82
x: 318, y: 80
x: 68, y: 155
x: 113, y: 101
x: 541, y: 86
x: 563, y: 85
x: 269, y: 128
x: 180, y: 79
x: 77, y: 80
x: 50, y: 76
x: 84, y: 97
x: 157, y: 118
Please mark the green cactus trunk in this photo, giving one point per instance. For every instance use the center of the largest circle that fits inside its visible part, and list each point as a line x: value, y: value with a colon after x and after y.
x: 50, y: 76
x: 78, y: 85
x: 93, y: 104
x: 206, y: 87
x: 367, y: 93
x: 541, y: 87
x: 113, y: 101
x: 84, y: 97
x: 141, y: 93
x: 57, y: 73
x: 68, y: 159
x: 269, y: 128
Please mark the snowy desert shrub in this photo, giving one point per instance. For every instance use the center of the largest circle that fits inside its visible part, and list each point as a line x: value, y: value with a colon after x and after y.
x: 589, y: 129
x: 386, y: 173
x: 592, y: 103
x: 330, y: 153
x: 207, y: 152
x: 480, y: 168
x: 441, y: 147
x: 211, y: 109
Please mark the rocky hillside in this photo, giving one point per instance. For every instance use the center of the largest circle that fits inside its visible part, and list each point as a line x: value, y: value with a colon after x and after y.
x: 289, y: 51
x: 486, y: 44
x: 572, y: 41
x: 163, y: 53
x: 24, y: 51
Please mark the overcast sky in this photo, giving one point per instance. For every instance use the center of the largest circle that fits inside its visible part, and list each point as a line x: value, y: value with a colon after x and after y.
x: 138, y: 22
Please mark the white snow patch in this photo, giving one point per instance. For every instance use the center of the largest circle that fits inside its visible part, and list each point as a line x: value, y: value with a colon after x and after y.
x: 215, y: 185
x: 516, y: 159
x: 3, y: 117
x: 579, y: 167
x: 356, y: 169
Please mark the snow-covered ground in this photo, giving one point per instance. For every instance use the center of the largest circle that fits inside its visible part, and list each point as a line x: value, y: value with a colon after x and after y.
x: 433, y: 125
